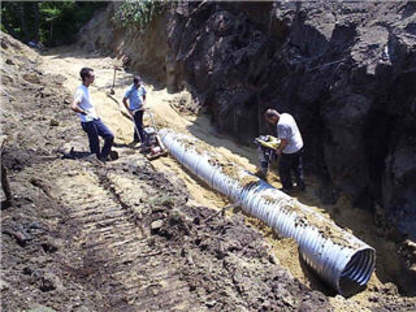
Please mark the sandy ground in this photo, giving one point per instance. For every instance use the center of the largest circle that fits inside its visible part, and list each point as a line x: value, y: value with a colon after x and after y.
x: 68, y: 63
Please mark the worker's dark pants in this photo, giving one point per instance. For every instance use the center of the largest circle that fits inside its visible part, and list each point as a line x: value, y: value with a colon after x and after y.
x: 94, y: 129
x: 289, y: 163
x: 138, y: 120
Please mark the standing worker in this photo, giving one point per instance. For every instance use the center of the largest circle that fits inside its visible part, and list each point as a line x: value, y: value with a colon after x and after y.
x: 136, y: 94
x: 90, y: 123
x: 290, y: 149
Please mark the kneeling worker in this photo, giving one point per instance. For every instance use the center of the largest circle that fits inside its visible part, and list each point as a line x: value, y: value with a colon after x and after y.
x: 290, y: 149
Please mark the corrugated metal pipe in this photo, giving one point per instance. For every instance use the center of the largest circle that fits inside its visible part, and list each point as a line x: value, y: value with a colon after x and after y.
x: 342, y: 260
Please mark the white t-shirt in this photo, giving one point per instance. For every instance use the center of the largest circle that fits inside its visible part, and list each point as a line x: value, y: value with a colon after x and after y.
x: 288, y: 129
x: 82, y: 95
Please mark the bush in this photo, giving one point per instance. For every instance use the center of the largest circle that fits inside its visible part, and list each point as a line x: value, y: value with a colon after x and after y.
x: 138, y: 14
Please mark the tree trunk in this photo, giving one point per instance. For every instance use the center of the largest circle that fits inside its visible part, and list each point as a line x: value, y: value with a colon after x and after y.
x: 37, y: 18
x: 23, y: 22
x: 11, y: 31
x: 51, y: 33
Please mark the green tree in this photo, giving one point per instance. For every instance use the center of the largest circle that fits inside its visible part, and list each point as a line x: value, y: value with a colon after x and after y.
x: 49, y: 22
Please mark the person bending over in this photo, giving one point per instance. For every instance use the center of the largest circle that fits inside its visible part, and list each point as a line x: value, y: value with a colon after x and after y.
x: 290, y: 150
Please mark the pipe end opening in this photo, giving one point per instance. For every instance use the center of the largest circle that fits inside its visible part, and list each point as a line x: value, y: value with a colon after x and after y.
x: 357, y: 272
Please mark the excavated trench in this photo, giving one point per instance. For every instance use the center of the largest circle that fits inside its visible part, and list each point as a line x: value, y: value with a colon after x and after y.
x: 342, y: 260
x: 133, y: 235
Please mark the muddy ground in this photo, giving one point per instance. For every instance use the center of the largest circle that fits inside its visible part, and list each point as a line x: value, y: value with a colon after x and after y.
x: 130, y: 235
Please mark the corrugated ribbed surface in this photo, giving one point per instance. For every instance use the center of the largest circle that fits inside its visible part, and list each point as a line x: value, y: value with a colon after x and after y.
x: 339, y: 258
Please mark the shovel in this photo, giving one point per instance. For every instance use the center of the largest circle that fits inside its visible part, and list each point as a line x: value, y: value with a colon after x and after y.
x: 116, y: 68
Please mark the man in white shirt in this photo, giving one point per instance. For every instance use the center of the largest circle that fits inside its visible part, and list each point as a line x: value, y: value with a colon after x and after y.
x: 290, y: 150
x: 90, y: 122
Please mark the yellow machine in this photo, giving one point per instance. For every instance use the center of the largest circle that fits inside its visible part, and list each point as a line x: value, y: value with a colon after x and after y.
x: 266, y: 148
x: 268, y: 141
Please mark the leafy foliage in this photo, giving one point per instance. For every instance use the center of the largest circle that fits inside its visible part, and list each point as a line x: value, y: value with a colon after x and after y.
x: 49, y: 22
x: 138, y: 13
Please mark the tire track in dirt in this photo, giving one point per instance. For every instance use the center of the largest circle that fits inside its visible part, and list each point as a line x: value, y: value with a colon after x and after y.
x: 115, y: 250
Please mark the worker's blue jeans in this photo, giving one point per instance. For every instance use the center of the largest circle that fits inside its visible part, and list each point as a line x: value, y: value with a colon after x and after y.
x: 138, y: 120
x: 94, y: 129
x: 289, y: 163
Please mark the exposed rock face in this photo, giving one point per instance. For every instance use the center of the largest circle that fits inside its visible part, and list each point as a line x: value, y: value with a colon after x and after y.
x: 344, y: 70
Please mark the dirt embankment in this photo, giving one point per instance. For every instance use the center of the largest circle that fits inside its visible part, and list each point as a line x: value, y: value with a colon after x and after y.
x: 344, y: 70
x: 78, y: 235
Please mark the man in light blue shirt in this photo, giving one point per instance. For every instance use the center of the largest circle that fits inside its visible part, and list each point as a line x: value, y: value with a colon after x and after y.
x: 136, y: 94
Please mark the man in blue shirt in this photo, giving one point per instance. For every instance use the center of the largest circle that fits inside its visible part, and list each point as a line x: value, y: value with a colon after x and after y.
x: 136, y: 94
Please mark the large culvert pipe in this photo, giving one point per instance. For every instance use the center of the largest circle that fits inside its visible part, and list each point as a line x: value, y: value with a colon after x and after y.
x: 339, y: 258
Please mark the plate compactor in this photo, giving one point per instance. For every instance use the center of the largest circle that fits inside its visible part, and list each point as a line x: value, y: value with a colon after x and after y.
x: 152, y: 145
x: 266, y: 149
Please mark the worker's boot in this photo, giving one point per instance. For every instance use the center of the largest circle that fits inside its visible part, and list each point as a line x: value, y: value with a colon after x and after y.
x: 262, y: 172
x: 113, y: 155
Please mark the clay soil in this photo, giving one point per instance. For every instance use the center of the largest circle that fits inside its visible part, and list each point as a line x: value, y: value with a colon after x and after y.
x: 134, y: 235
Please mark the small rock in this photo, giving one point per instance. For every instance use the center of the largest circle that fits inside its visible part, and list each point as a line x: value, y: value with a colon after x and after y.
x: 67, y: 101
x: 373, y: 299
x: 156, y: 225
x: 52, y: 245
x: 41, y: 260
x: 59, y: 79
x: 192, y: 287
x: 21, y: 236
x: 4, y: 285
x: 27, y: 270
x: 273, y: 260
x: 41, y: 309
x: 154, y: 291
x: 390, y: 289
x: 10, y: 62
x: 288, y: 301
x: 49, y: 282
x: 211, y: 303
x: 35, y: 227
x: 4, y: 45
x: 31, y: 77
x: 54, y: 123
